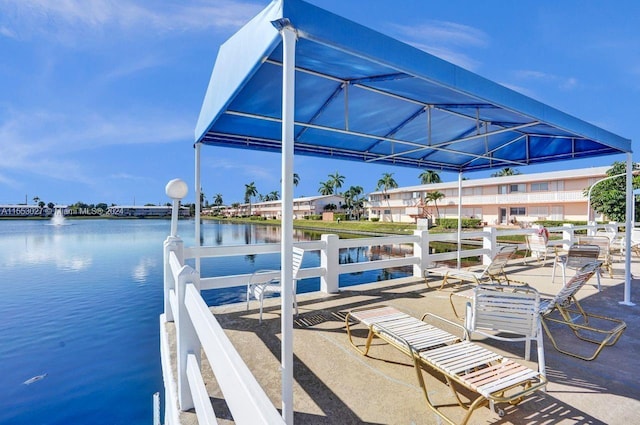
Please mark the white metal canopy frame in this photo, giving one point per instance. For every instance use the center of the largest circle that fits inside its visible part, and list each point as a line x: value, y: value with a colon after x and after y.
x: 299, y: 79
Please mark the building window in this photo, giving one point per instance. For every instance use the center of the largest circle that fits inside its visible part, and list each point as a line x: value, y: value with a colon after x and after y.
x: 516, y: 188
x: 540, y: 187
x: 502, y: 189
x: 539, y: 211
x: 517, y: 211
x: 387, y: 212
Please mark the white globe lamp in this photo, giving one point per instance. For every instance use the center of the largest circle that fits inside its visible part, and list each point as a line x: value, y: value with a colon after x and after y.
x: 176, y: 189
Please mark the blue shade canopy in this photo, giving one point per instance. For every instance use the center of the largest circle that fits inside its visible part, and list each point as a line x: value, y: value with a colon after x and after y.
x: 361, y: 95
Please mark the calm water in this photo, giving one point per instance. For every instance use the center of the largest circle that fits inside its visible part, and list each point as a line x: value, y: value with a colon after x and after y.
x: 80, y: 303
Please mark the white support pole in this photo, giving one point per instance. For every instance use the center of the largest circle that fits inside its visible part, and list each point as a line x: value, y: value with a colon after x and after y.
x: 628, y: 233
x: 459, y: 217
x: 286, y: 254
x: 198, y: 197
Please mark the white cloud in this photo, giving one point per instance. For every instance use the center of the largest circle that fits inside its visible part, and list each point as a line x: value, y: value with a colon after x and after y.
x: 562, y: 83
x: 446, y: 33
x: 70, y: 20
x: 446, y: 40
x: 42, y: 142
x: 246, y: 168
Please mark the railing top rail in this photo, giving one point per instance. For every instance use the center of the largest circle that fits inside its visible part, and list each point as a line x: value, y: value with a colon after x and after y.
x: 246, y: 399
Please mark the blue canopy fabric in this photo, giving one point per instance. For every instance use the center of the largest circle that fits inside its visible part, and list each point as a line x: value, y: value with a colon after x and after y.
x: 363, y: 96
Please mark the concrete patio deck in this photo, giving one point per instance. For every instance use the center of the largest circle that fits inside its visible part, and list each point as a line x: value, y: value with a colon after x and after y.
x: 334, y: 384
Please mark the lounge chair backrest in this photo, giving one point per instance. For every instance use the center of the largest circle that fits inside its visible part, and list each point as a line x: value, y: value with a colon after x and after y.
x: 603, y: 242
x: 500, y: 260
x: 537, y: 243
x: 503, y: 310
x: 563, y: 297
x: 581, y: 254
x: 298, y: 253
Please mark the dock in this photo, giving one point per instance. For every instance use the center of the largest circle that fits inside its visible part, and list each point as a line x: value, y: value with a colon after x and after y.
x: 334, y: 384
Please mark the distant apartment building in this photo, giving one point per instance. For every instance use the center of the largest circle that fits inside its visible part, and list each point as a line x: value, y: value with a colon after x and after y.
x: 302, y: 207
x: 523, y: 198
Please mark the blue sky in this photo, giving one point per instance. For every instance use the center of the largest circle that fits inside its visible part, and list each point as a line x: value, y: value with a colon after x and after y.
x: 99, y: 98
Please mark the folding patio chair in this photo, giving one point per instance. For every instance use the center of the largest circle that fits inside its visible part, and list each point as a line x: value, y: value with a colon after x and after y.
x: 604, y: 243
x: 499, y: 312
x: 577, y: 319
x: 578, y: 256
x: 493, y: 272
x: 258, y: 290
x: 539, y: 248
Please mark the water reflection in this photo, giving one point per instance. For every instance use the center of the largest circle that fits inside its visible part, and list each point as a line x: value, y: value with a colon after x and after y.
x: 218, y: 233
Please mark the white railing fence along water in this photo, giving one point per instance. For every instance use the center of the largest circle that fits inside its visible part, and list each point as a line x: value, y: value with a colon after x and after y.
x: 196, y: 327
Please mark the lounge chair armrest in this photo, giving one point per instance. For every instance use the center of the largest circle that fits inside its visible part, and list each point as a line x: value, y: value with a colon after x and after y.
x: 255, y: 276
x: 465, y: 333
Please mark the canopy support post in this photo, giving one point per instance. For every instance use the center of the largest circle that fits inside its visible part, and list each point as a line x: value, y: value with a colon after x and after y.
x: 628, y: 232
x: 198, y: 243
x: 289, y: 36
x: 459, y: 218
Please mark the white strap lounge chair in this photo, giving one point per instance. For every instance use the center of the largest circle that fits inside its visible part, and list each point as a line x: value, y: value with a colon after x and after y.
x: 493, y: 272
x: 462, y: 364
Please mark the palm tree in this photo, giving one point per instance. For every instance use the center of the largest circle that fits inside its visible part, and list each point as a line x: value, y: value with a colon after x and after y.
x: 217, y: 201
x: 336, y: 181
x: 249, y: 191
x: 273, y: 196
x: 430, y: 176
x: 326, y: 188
x: 385, y: 183
x: 435, y: 197
x: 506, y: 172
x: 202, y: 199
x: 36, y: 199
x: 353, y: 201
x: 296, y: 179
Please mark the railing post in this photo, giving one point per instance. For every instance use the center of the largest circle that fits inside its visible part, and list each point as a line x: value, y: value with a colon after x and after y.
x: 592, y: 228
x: 421, y: 250
x: 186, y: 337
x: 175, y: 244
x: 329, y: 261
x: 490, y: 243
x: 568, y: 234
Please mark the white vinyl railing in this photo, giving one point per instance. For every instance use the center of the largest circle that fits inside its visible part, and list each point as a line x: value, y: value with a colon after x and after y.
x: 197, y: 328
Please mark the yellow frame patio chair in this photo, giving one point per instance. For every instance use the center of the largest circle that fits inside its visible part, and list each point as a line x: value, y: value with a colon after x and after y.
x: 604, y: 243
x: 539, y: 248
x: 577, y: 319
x: 492, y: 272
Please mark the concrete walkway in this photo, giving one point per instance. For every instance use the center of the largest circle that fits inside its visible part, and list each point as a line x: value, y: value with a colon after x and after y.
x: 334, y: 384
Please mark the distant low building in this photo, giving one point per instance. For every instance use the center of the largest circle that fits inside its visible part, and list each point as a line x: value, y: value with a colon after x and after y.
x: 302, y: 207
x: 522, y: 198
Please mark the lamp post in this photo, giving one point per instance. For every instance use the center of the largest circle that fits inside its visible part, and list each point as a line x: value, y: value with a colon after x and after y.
x: 176, y: 189
x: 589, y: 193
